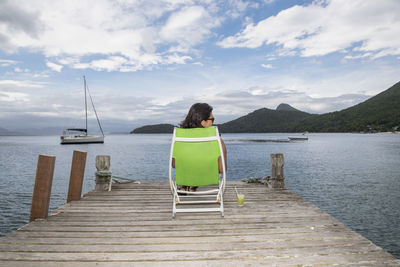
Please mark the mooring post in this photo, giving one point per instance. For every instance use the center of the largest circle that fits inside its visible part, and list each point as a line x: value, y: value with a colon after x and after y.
x: 77, y: 174
x: 42, y: 188
x: 103, y: 174
x: 277, y: 178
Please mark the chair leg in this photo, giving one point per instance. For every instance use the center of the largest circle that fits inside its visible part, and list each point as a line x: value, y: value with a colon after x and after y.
x: 222, y: 206
x: 174, y: 208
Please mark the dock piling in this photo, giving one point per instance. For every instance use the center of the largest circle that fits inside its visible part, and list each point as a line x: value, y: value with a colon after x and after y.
x: 277, y: 177
x: 42, y: 188
x: 103, y: 174
x: 77, y: 174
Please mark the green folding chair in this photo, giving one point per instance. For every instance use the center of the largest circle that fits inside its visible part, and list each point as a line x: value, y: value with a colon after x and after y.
x: 196, y: 153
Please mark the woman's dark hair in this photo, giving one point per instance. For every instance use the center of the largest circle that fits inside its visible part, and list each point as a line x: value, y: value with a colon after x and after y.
x: 197, y: 113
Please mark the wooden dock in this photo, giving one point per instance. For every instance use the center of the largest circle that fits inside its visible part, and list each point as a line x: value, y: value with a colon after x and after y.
x: 132, y: 226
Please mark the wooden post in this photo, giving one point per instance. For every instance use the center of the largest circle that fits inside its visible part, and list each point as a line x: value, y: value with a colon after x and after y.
x: 42, y: 189
x: 277, y: 178
x: 103, y: 163
x: 103, y: 174
x: 77, y: 174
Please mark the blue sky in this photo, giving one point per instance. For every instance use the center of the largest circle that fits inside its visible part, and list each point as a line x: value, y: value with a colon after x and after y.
x: 149, y: 61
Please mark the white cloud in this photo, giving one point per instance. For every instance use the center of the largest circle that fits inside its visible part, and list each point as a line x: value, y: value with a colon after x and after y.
x: 144, y: 33
x: 13, y: 97
x: 240, y: 7
x: 43, y: 74
x: 110, y: 64
x: 176, y: 59
x: 14, y: 19
x: 323, y: 27
x: 188, y: 26
x: 7, y: 62
x: 266, y: 66
x: 22, y: 84
x: 19, y: 70
x: 54, y: 66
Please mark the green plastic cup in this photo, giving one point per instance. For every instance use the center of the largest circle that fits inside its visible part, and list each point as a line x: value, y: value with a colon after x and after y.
x: 240, y: 199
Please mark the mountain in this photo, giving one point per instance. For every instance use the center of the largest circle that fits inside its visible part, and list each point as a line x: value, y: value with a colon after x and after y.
x: 41, y: 131
x: 378, y: 114
x: 286, y: 107
x: 157, y: 128
x: 264, y: 120
x: 5, y: 132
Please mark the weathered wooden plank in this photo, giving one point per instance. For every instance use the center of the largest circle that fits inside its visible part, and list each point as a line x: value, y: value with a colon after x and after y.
x: 76, y: 177
x: 165, y: 202
x: 154, y: 244
x: 166, y: 218
x: 173, y: 227
x: 98, y: 216
x: 201, y: 221
x: 190, y: 247
x: 268, y: 233
x: 164, y: 190
x: 117, y: 216
x: 143, y: 211
x: 286, y: 239
x: 42, y: 187
x: 246, y: 209
x: 358, y: 254
x: 228, y: 196
x: 150, y: 228
x: 156, y: 185
x: 247, y: 206
x: 313, y: 260
x: 319, y: 230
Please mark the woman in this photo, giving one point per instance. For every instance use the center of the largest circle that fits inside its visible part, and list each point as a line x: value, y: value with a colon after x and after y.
x: 200, y: 116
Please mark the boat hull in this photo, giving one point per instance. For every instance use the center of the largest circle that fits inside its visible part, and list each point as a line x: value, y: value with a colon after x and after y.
x: 69, y: 140
x: 298, y: 138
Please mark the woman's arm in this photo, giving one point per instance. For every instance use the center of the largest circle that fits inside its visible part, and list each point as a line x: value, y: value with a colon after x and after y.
x: 225, y: 157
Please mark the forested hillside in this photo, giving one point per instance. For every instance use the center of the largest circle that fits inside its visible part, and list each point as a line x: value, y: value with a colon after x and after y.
x: 266, y: 121
x: 379, y: 113
x: 157, y: 128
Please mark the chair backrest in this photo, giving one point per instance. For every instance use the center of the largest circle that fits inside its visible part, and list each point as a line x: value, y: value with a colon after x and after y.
x: 196, y: 153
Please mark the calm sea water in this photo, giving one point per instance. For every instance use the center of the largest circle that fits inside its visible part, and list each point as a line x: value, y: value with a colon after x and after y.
x: 353, y: 177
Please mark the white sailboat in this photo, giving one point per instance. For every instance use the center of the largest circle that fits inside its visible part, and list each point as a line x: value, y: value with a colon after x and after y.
x: 80, y: 135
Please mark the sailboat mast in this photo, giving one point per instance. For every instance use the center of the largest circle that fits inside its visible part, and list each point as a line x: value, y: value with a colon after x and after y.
x: 84, y: 82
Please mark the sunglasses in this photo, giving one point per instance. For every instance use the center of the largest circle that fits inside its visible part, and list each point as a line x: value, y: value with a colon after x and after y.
x: 210, y: 119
